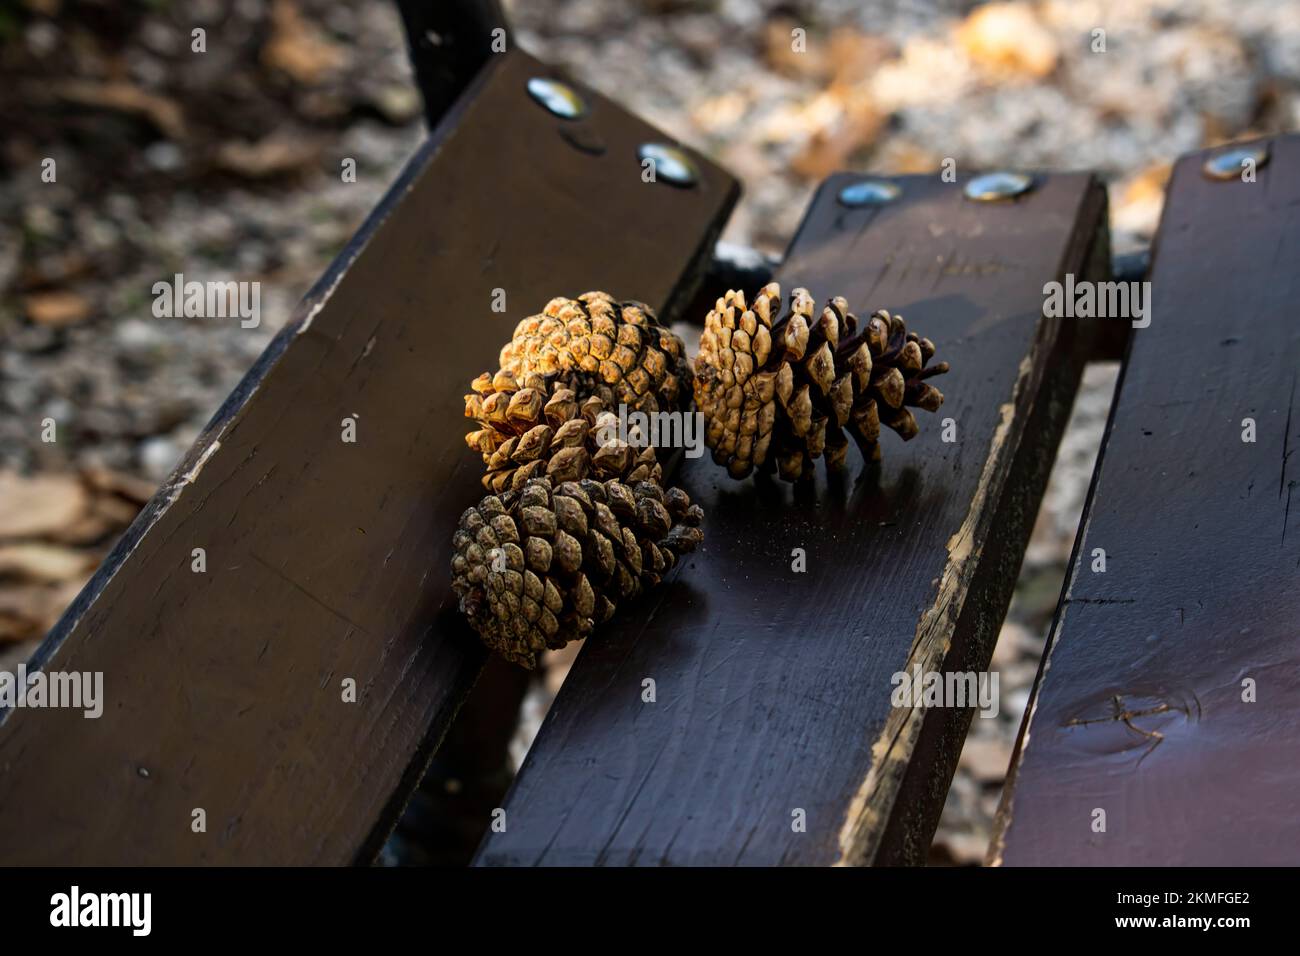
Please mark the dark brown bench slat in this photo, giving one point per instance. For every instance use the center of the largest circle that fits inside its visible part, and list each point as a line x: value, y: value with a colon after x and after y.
x: 1138, y: 709
x: 328, y: 560
x: 773, y: 688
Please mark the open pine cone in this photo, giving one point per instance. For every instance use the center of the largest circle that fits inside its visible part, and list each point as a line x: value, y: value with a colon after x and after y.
x: 536, y: 429
x: 542, y: 566
x: 593, y: 345
x: 784, y: 391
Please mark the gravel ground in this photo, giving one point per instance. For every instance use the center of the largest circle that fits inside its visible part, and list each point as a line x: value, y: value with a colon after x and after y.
x: 228, y: 167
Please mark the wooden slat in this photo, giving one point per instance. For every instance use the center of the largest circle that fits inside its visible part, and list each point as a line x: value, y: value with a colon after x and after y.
x: 773, y: 687
x: 1138, y: 710
x: 329, y: 560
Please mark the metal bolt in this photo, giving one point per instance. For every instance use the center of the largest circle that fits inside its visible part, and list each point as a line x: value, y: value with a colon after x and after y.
x: 560, y: 98
x: 869, y: 192
x: 670, y: 164
x: 992, y: 187
x: 1230, y: 163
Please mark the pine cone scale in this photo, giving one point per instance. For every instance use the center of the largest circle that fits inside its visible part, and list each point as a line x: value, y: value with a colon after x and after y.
x: 540, y: 566
x: 788, y: 389
x: 538, y: 429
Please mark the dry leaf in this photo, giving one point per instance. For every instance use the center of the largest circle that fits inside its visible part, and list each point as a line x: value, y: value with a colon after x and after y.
x: 274, y: 155
x: 124, y: 97
x: 57, y: 309
x: 28, y: 611
x: 847, y: 56
x: 34, y: 561
x: 854, y: 55
x: 1009, y: 39
x: 855, y: 125
x: 42, y: 504
x: 118, y: 511
x: 299, y: 49
x: 90, y: 528
x: 120, y: 483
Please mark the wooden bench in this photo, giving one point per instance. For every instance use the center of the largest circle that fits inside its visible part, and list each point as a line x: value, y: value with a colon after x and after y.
x: 772, y: 737
x: 328, y: 560
x: 1169, y: 695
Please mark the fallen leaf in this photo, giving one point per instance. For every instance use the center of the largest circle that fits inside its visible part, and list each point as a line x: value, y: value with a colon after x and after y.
x: 57, y: 309
x: 298, y: 48
x: 846, y: 56
x: 28, y: 611
x: 90, y: 528
x: 118, y: 511
x: 124, y: 97
x: 36, y: 561
x: 854, y: 55
x: 1009, y: 39
x: 119, y: 483
x: 41, y: 504
x: 855, y: 125
x: 274, y: 155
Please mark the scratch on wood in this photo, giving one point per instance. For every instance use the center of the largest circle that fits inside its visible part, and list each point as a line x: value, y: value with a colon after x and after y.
x: 324, y: 298
x: 314, y: 599
x: 1286, y: 439
x: 188, y: 477
x: 884, y: 271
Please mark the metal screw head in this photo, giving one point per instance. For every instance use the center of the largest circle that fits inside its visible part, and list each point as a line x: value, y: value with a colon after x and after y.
x: 1231, y: 162
x: 560, y: 98
x: 869, y: 192
x: 991, y: 187
x: 670, y: 164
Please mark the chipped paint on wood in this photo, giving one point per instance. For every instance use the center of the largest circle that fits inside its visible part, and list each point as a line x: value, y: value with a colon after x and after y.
x: 871, y: 805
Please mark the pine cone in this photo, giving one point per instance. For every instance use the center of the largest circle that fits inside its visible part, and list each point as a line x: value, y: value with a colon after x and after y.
x: 542, y: 566
x: 593, y: 345
x: 536, y: 429
x: 784, y: 391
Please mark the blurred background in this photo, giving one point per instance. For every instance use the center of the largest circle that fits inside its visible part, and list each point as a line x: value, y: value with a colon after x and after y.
x: 226, y: 166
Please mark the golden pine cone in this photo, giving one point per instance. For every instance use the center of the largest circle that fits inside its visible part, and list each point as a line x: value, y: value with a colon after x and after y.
x: 596, y: 346
x: 535, y: 429
x: 542, y: 566
x: 784, y: 391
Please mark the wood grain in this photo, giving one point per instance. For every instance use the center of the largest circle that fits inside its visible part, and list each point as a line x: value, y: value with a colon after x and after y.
x: 329, y: 560
x: 1138, y: 709
x: 773, y: 687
